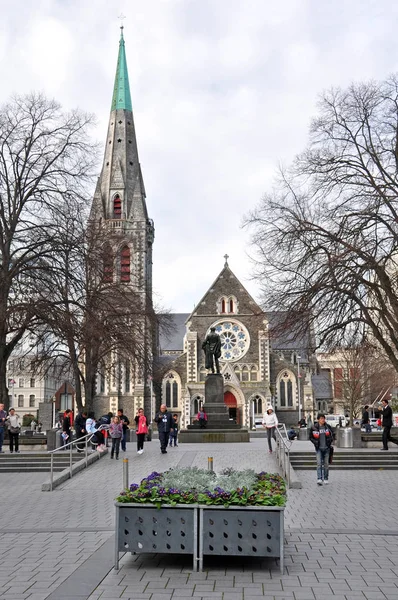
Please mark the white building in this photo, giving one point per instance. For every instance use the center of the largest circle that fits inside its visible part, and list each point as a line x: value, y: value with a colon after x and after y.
x: 28, y: 387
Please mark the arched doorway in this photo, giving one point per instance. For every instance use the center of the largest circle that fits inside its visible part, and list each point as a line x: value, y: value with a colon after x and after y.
x: 230, y: 401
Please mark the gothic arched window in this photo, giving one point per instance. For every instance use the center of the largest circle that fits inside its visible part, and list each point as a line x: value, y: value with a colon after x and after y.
x: 125, y: 264
x: 258, y: 405
x: 285, y: 389
x: 117, y: 207
x: 231, y: 306
x: 223, y: 305
x: 171, y: 390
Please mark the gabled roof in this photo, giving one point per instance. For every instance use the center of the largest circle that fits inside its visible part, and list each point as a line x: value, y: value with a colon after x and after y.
x: 225, y: 274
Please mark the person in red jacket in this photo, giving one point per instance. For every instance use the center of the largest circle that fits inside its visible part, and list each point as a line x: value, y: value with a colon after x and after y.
x: 141, y: 429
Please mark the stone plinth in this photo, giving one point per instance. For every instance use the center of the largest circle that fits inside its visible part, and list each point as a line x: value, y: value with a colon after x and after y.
x: 219, y: 427
x: 214, y: 436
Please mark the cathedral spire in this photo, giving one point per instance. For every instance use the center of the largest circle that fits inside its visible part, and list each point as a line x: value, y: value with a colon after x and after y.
x: 121, y: 90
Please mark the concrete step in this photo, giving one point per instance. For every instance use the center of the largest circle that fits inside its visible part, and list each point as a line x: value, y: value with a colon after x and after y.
x: 36, y: 462
x: 348, y: 460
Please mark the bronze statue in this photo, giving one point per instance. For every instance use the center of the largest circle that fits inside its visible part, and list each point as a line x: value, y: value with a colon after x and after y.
x: 212, y: 349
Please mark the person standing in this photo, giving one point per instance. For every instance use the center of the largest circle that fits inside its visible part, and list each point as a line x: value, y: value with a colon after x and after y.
x: 14, y: 428
x: 322, y: 437
x: 386, y: 423
x: 116, y: 433
x: 270, y: 422
x: 164, y: 419
x: 66, y: 424
x: 125, y: 422
x: 141, y: 430
x: 365, y: 419
x: 174, y: 431
x: 80, y: 428
x: 3, y: 416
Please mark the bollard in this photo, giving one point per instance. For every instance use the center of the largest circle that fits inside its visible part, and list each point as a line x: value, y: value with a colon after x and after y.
x: 210, y: 463
x: 125, y: 473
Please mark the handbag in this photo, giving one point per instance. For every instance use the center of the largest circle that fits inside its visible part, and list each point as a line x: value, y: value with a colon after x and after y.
x: 15, y: 429
x: 331, y: 452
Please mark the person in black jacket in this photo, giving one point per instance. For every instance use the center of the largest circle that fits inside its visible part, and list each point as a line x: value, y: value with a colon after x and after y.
x: 322, y: 438
x: 165, y: 422
x: 80, y: 428
x: 365, y: 420
x: 66, y: 427
x: 125, y: 422
x: 387, y: 423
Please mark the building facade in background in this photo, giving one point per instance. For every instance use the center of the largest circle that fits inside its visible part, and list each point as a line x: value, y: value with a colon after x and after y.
x: 259, y: 369
x: 28, y: 386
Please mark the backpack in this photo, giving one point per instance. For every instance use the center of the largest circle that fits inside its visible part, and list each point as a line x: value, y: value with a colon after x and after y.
x: 105, y: 420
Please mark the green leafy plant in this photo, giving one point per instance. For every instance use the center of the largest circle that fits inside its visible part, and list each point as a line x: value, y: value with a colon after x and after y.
x: 193, y: 485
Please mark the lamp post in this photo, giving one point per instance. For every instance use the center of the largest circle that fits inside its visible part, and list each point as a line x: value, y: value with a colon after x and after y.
x: 298, y: 386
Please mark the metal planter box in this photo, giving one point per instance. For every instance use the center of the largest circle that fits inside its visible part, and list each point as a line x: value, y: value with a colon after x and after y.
x: 143, y: 528
x: 241, y: 531
x: 200, y: 530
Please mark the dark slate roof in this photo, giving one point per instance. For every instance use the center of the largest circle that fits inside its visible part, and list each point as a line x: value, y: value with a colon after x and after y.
x: 286, y: 340
x: 175, y: 339
x: 322, y: 385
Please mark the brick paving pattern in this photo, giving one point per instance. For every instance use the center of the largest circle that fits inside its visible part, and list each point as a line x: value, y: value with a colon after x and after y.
x: 341, y: 541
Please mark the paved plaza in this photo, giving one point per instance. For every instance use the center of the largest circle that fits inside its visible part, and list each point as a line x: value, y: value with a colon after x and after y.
x: 341, y: 540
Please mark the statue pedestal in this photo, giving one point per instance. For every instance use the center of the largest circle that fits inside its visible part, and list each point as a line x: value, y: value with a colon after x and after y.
x: 219, y: 427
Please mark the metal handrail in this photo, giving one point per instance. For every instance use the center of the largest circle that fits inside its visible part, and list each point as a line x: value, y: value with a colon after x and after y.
x: 86, y: 438
x: 283, y: 445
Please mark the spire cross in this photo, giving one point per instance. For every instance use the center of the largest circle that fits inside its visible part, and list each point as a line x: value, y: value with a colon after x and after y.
x: 122, y: 17
x: 226, y: 260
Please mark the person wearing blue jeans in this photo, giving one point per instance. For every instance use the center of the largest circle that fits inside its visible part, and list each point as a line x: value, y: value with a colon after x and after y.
x: 365, y: 420
x: 322, y: 438
x: 125, y: 422
x: 3, y: 416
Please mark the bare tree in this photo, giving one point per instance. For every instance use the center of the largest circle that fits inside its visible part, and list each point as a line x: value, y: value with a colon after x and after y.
x: 46, y: 160
x: 326, y: 237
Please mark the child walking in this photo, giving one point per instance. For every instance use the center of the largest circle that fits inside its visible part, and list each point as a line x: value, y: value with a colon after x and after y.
x: 116, y: 433
x: 174, y: 431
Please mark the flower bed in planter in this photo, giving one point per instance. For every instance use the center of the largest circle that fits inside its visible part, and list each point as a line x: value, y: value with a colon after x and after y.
x: 236, y: 513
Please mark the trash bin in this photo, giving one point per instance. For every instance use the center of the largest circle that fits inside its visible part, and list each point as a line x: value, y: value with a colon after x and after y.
x: 345, y: 437
x: 304, y: 433
x: 58, y: 439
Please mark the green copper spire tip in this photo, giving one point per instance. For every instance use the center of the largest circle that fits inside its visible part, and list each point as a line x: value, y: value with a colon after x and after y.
x: 121, y: 98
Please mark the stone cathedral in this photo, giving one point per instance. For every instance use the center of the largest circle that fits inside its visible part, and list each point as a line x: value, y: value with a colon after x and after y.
x: 119, y: 208
x: 259, y: 368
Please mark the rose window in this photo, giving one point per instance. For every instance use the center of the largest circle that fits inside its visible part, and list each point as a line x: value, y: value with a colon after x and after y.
x: 235, y: 340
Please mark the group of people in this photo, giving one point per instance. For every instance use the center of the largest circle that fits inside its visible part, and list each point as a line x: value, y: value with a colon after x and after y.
x: 12, y: 423
x: 106, y: 426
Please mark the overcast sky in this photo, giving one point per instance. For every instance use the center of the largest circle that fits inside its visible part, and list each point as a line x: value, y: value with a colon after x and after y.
x: 223, y: 92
